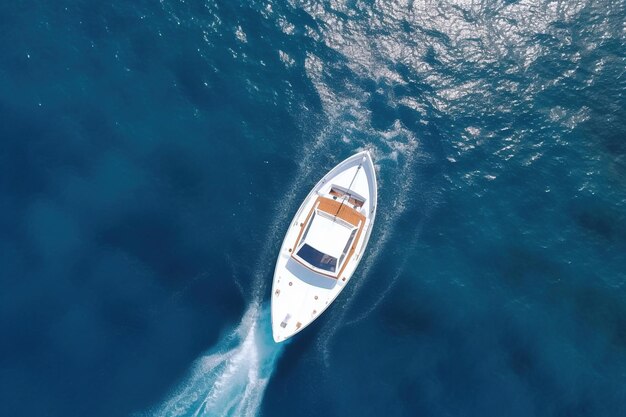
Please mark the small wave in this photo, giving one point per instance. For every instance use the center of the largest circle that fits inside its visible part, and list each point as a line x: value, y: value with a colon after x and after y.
x: 393, y: 280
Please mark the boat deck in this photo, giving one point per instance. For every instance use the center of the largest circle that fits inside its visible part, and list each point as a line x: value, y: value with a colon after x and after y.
x: 345, y: 197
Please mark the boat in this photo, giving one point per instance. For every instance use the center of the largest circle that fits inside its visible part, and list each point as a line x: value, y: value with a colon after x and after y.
x: 324, y: 244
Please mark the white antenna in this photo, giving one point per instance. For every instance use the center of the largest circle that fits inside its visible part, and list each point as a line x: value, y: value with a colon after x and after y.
x: 347, y: 194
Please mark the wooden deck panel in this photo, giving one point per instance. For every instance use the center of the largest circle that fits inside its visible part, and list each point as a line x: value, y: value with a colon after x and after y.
x: 344, y: 212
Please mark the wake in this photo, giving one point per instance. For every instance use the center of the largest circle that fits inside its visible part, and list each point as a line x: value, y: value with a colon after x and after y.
x: 231, y: 379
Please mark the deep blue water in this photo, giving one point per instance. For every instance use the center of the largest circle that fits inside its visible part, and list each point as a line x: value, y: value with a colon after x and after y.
x: 153, y: 152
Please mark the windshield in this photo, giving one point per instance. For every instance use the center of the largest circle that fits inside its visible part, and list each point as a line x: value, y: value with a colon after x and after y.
x: 317, y: 259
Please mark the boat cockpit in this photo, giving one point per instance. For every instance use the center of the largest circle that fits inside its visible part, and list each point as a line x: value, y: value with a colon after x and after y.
x: 328, y: 236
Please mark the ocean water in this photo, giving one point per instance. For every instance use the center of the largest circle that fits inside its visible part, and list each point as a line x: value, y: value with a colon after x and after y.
x: 153, y: 152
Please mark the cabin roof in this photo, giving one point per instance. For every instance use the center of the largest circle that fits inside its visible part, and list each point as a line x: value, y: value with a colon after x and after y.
x: 329, y: 230
x: 328, y: 235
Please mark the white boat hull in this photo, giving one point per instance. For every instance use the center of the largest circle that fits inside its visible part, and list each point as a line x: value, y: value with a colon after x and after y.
x: 301, y: 292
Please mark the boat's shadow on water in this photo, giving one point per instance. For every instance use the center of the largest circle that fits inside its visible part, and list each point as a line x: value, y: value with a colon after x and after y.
x: 230, y: 379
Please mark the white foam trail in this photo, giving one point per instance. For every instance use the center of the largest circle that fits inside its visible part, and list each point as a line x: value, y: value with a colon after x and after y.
x: 231, y: 379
